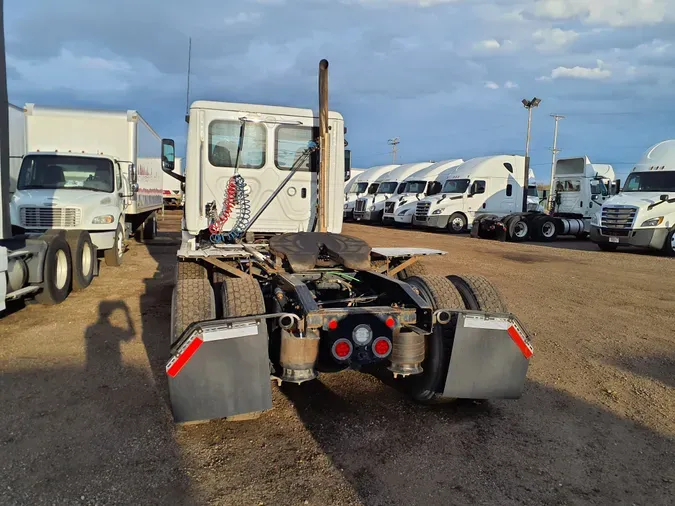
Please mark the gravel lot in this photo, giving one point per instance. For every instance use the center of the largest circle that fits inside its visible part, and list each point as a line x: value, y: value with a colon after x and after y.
x: 85, y: 420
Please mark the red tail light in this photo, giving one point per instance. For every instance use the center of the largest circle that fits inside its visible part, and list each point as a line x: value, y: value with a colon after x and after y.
x: 381, y: 347
x: 342, y: 349
x: 390, y: 322
x: 333, y: 325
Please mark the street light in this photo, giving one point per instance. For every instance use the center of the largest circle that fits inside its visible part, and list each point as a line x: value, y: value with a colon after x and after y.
x: 529, y: 105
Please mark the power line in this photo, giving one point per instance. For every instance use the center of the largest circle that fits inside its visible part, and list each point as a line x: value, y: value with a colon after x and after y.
x: 394, y: 147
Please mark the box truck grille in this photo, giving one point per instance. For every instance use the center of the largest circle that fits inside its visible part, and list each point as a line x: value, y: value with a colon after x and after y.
x: 50, y: 217
x: 389, y: 207
x: 422, y: 210
x: 618, y: 217
x: 360, y: 206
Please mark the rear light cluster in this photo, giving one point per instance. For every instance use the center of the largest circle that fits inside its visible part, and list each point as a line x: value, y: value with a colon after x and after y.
x: 362, y: 337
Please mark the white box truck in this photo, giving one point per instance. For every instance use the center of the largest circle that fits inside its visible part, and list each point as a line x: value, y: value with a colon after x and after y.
x: 643, y: 214
x: 371, y: 207
x: 98, y: 171
x: 173, y: 188
x: 365, y: 183
x: 421, y: 184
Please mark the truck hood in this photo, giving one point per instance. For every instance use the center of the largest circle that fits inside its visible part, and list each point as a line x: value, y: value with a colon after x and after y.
x: 61, y: 198
x: 642, y: 200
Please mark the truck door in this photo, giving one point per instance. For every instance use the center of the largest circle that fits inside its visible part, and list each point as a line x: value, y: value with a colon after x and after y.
x: 477, y: 197
x: 269, y: 150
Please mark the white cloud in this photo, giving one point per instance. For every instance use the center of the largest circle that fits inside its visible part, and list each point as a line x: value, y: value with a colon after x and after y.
x: 417, y: 3
x: 553, y: 39
x: 608, y: 12
x: 242, y: 18
x: 488, y: 44
x: 510, y: 85
x: 593, y: 74
x: 491, y: 85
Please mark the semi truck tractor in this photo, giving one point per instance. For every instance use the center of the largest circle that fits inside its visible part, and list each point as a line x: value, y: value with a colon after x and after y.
x: 269, y: 289
x: 370, y: 208
x: 643, y: 214
x: 579, y: 189
x: 93, y: 171
x: 423, y: 183
x: 365, y: 183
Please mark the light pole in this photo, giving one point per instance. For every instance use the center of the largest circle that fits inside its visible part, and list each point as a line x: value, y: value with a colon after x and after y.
x: 529, y: 105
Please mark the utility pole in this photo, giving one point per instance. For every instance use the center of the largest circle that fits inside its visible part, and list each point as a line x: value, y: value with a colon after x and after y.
x: 556, y: 117
x: 394, y: 143
x: 529, y: 105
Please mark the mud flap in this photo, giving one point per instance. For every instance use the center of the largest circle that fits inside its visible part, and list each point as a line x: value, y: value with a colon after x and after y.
x: 489, y: 359
x: 220, y: 369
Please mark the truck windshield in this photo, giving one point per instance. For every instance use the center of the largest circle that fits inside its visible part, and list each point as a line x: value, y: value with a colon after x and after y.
x: 662, y: 181
x: 532, y: 191
x: 598, y: 187
x: 455, y: 186
x: 51, y: 172
x: 416, y: 187
x: 568, y: 185
x: 389, y: 187
x: 358, y: 188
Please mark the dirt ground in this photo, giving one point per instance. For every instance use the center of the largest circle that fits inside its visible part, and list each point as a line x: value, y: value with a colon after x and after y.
x: 84, y: 416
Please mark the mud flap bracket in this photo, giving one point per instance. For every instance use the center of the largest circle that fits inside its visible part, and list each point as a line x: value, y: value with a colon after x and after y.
x: 489, y: 359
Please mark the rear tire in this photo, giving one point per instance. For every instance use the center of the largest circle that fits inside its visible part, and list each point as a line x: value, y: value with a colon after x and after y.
x: 607, y: 246
x: 113, y: 256
x: 150, y: 228
x: 428, y: 386
x: 479, y: 294
x: 57, y: 272
x: 545, y: 229
x: 416, y: 269
x: 457, y: 224
x: 83, y: 258
x: 192, y: 299
x: 242, y: 297
x: 518, y: 229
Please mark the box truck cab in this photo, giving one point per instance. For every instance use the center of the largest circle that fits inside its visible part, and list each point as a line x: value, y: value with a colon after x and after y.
x: 643, y: 214
x: 371, y: 207
x: 480, y: 185
x: 97, y: 171
x: 365, y: 183
x: 423, y: 183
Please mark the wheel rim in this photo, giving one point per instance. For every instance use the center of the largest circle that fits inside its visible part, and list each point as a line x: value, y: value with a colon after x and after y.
x: 672, y: 242
x: 520, y: 230
x: 548, y: 229
x: 457, y: 224
x: 120, y: 244
x: 61, y: 269
x: 86, y: 259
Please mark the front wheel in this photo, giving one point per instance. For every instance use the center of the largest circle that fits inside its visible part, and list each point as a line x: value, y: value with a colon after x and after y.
x: 57, y: 273
x: 113, y: 256
x: 83, y: 258
x: 669, y: 246
x: 457, y: 223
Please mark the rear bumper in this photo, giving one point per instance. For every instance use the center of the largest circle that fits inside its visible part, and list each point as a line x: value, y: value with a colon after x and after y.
x: 653, y: 238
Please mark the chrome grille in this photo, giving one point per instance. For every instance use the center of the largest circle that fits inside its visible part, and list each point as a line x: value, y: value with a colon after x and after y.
x: 50, y: 217
x: 422, y: 209
x: 618, y: 217
x: 389, y: 207
x: 360, y: 206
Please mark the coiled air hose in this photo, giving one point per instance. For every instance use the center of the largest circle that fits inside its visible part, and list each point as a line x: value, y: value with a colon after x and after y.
x: 235, y: 195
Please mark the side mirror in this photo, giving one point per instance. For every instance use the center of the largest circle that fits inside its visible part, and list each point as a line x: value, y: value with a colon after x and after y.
x: 133, y: 178
x: 664, y: 197
x: 134, y: 187
x: 168, y: 155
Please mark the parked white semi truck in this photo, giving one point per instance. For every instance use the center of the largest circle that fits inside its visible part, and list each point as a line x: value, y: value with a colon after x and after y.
x: 643, y: 214
x: 422, y: 183
x: 172, y: 187
x: 486, y: 184
x: 365, y: 183
x: 371, y: 207
x: 579, y: 189
x: 94, y: 171
x: 267, y: 288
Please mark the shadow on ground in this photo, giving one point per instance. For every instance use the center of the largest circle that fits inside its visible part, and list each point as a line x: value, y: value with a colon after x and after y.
x: 546, y: 448
x: 97, y: 435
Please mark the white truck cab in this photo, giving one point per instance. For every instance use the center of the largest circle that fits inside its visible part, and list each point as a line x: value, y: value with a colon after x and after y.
x: 480, y: 185
x: 580, y: 187
x: 423, y: 183
x: 371, y: 207
x: 365, y: 183
x: 643, y: 214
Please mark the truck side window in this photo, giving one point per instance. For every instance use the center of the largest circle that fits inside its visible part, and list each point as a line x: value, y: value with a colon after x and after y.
x: 224, y: 141
x: 478, y: 187
x: 291, y: 143
x: 509, y: 190
x: 118, y: 176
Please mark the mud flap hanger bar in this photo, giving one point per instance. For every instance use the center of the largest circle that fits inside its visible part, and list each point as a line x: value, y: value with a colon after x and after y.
x: 205, y: 326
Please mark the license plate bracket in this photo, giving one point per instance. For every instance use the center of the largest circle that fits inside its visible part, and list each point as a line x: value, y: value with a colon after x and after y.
x: 614, y: 240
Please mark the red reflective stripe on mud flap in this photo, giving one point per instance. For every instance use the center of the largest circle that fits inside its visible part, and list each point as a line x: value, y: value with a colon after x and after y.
x: 174, y: 368
x: 525, y: 348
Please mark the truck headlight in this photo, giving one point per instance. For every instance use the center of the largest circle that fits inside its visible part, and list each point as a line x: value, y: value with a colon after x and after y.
x: 346, y: 206
x: 371, y: 208
x: 404, y: 212
x: 595, y: 219
x: 437, y: 211
x: 654, y: 222
x: 106, y: 219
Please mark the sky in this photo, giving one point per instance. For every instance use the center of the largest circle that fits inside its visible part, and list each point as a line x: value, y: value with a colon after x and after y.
x: 445, y: 76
